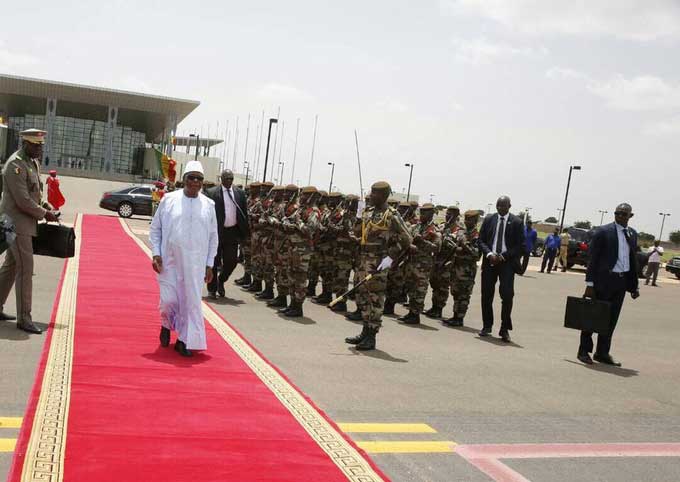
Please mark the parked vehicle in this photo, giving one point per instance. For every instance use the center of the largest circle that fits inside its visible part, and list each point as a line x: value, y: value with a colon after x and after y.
x: 578, y: 246
x: 539, y: 248
x: 642, y: 260
x: 673, y: 266
x: 128, y: 201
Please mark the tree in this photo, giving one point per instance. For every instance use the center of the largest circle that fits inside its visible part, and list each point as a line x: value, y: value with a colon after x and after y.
x: 551, y: 219
x: 645, y: 239
x: 674, y: 237
x: 583, y: 224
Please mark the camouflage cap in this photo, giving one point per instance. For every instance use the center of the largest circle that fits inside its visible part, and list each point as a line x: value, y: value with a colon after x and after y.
x: 413, y: 204
x: 335, y: 195
x: 310, y: 190
x: 453, y: 208
x: 267, y: 184
x: 472, y: 213
x: 277, y: 188
x: 292, y: 188
x: 427, y: 207
x: 381, y: 186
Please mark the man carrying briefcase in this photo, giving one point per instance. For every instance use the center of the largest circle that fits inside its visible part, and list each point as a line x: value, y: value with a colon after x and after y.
x: 22, y: 202
x: 612, y: 272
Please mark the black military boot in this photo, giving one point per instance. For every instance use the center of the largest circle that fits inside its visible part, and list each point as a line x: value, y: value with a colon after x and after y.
x: 311, y: 289
x: 388, y: 309
x: 324, y: 298
x: 245, y: 280
x: 280, y: 301
x: 354, y: 340
x: 267, y: 294
x: 368, y: 342
x: 354, y: 315
x: 434, y: 312
x: 411, y: 318
x: 455, y: 320
x: 255, y: 286
x: 339, y: 307
x: 294, y: 310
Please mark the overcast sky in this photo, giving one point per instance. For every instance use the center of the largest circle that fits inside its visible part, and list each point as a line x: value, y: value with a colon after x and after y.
x: 485, y: 97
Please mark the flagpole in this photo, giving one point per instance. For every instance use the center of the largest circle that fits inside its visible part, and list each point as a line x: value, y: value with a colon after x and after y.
x: 233, y: 161
x: 297, y: 130
x: 245, y: 149
x: 311, y: 161
x: 361, y: 183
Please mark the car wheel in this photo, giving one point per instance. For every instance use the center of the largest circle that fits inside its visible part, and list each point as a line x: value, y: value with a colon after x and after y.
x: 125, y: 210
x: 538, y: 252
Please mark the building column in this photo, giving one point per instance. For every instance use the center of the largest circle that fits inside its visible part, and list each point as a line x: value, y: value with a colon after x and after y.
x: 172, y: 122
x: 111, y: 122
x: 50, y: 116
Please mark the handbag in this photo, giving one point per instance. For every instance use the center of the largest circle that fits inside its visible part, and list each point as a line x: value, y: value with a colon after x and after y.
x: 55, y: 240
x: 587, y: 314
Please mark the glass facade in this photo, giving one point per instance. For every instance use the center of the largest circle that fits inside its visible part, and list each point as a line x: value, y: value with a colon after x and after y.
x: 81, y: 143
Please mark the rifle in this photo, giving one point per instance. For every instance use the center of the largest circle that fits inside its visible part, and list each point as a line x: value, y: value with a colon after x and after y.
x: 343, y: 297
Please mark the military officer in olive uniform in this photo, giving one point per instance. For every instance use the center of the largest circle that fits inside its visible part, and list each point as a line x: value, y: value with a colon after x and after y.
x: 22, y: 202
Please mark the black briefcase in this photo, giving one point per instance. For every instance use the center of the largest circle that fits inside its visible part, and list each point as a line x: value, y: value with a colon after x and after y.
x: 55, y: 240
x: 587, y: 314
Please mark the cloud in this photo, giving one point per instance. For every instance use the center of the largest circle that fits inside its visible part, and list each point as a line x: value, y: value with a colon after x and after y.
x: 629, y: 19
x: 10, y: 60
x: 392, y: 105
x: 640, y: 93
x: 482, y: 51
x: 281, y: 92
x: 669, y: 127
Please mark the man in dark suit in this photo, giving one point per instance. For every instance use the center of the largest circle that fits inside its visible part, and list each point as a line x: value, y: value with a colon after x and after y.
x: 501, y: 241
x: 232, y: 227
x: 611, y: 272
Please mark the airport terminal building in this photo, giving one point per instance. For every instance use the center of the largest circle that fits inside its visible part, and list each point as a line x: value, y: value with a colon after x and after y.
x: 96, y: 132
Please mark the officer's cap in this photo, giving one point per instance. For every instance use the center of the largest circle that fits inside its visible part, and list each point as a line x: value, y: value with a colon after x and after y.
x: 310, y: 190
x: 292, y: 188
x: 381, y: 186
x: 34, y: 136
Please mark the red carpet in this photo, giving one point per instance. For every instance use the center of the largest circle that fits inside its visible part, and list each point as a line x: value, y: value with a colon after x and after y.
x: 139, y: 412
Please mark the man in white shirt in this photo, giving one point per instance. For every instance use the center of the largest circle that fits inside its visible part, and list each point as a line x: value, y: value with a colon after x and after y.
x: 184, y: 242
x: 653, y: 262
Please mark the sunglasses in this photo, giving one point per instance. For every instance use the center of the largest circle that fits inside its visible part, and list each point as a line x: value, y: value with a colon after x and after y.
x: 621, y: 213
x: 194, y: 178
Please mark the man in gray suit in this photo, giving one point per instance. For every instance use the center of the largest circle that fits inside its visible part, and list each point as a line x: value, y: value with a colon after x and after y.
x: 22, y: 202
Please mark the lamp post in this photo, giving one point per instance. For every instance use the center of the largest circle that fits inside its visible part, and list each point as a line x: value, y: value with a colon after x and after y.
x: 663, y: 220
x: 602, y: 213
x: 266, y: 154
x: 526, y: 215
x: 488, y: 208
x: 559, y: 213
x: 281, y: 163
x: 198, y: 141
x: 566, y: 194
x: 410, y: 176
x: 330, y: 185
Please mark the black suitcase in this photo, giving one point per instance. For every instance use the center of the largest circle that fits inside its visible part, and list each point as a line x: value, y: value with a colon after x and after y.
x: 587, y: 314
x: 55, y: 240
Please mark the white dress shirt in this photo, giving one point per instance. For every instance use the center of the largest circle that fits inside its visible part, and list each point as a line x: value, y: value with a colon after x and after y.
x: 623, y: 262
x: 230, y: 219
x: 655, y: 257
x: 495, y: 236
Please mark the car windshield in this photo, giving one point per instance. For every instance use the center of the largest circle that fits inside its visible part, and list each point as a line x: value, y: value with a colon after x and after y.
x: 579, y: 235
x: 124, y: 191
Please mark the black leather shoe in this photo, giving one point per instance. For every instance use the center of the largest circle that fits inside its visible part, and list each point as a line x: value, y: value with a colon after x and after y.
x: 6, y: 317
x: 455, y: 321
x: 606, y: 359
x: 220, y: 290
x: 29, y: 327
x: 354, y: 340
x: 354, y: 315
x: 280, y: 301
x: 165, y: 337
x: 339, y: 307
x: 388, y: 309
x: 294, y: 310
x: 182, y: 349
x: 410, y: 319
x: 368, y: 341
x: 267, y: 294
x: 484, y: 333
x: 585, y: 358
x: 255, y: 286
x: 212, y: 295
x: 505, y: 336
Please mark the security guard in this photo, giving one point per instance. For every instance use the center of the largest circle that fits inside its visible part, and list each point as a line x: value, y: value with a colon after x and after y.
x: 22, y: 202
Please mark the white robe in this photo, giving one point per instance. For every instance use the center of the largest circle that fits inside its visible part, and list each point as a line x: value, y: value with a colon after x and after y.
x: 184, y: 233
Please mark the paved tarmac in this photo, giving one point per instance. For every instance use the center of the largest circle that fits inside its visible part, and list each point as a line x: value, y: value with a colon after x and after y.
x: 470, y: 392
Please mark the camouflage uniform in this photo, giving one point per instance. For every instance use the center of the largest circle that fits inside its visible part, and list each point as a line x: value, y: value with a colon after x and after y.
x: 442, y: 271
x: 246, y: 243
x: 464, y: 268
x: 314, y: 262
x: 325, y: 250
x: 396, y: 278
x: 255, y: 213
x: 427, y: 239
x: 268, y: 241
x: 341, y: 227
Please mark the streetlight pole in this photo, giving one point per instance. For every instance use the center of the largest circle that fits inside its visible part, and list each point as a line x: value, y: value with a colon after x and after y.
x: 198, y: 142
x: 266, y: 154
x: 559, y: 213
x: 602, y: 213
x: 526, y: 215
x: 281, y: 163
x: 410, y: 176
x: 330, y: 185
x: 488, y: 208
x: 663, y: 220
x: 566, y: 194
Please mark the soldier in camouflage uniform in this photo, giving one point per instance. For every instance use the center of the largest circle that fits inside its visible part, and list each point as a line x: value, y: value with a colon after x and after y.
x: 440, y: 278
x: 325, y: 249
x: 257, y: 259
x: 384, y: 236
x: 246, y: 243
x: 464, y: 268
x: 267, y: 242
x: 341, y: 227
x: 282, y: 246
x: 426, y: 243
x: 302, y: 229
x: 322, y: 205
x: 393, y: 203
x: 396, y: 278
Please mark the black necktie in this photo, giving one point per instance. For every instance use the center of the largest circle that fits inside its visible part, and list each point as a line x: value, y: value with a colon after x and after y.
x: 501, y: 232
